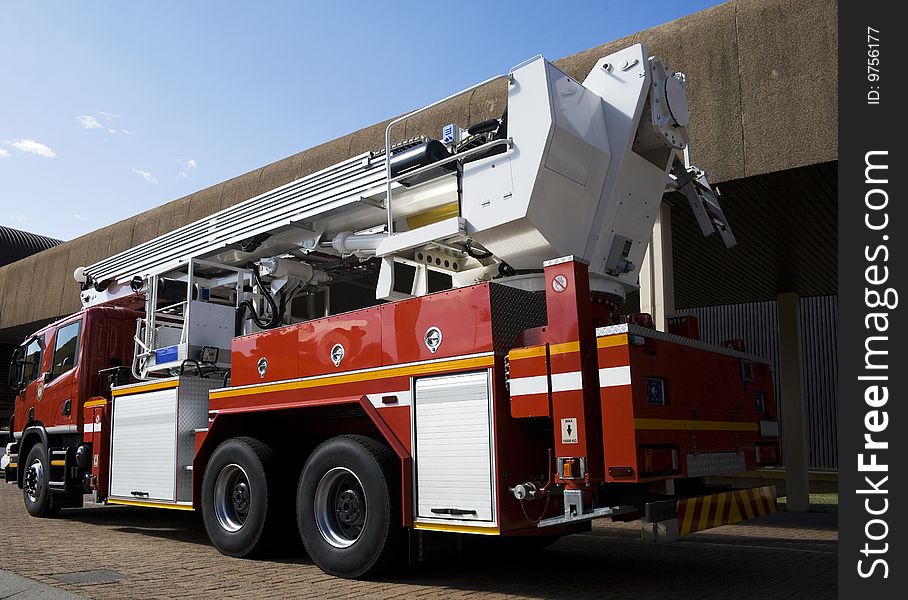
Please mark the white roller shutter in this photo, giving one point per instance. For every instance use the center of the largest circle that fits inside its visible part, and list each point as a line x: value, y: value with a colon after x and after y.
x: 454, y: 447
x: 143, y: 448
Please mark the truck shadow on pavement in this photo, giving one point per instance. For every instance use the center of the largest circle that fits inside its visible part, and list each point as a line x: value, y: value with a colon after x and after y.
x: 174, y: 525
x: 799, y: 551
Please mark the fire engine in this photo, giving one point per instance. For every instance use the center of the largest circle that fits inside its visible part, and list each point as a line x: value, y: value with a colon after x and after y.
x: 417, y: 341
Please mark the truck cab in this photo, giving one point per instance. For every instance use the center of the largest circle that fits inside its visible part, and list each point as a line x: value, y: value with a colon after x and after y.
x: 54, y: 372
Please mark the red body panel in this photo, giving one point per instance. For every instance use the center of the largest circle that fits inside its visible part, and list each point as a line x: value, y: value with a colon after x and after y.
x: 708, y: 407
x: 106, y: 340
x: 379, y: 336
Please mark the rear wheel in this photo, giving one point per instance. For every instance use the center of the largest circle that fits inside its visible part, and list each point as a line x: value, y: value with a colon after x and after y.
x: 39, y: 499
x: 240, y: 499
x: 348, y: 506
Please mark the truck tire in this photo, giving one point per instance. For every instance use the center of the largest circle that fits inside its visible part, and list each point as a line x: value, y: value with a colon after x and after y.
x: 39, y: 499
x: 348, y: 506
x: 241, y: 497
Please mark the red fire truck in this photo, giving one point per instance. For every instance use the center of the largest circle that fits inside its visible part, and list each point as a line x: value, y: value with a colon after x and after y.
x: 236, y: 367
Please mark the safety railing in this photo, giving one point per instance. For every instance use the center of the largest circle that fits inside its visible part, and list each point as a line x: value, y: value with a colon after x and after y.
x: 391, y: 180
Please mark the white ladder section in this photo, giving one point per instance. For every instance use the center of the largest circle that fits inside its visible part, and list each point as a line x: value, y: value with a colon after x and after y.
x: 317, y: 194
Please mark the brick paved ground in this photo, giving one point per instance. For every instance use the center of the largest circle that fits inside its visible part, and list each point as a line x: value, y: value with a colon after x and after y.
x: 165, y: 554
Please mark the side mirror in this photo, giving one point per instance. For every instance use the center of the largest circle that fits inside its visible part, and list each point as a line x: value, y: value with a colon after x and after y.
x: 47, y: 377
x: 14, y: 376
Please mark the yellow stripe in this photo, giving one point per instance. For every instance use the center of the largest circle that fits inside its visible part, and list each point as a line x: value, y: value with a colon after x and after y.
x: 612, y: 340
x: 433, y: 215
x: 704, y: 514
x: 457, y: 528
x: 770, y: 500
x: 454, y: 364
x: 535, y: 351
x: 720, y: 506
x: 734, y: 514
x: 564, y: 348
x: 100, y: 402
x: 530, y: 352
x: 748, y: 509
x: 13, y: 465
x: 679, y: 424
x: 58, y: 463
x: 164, y: 385
x: 151, y: 504
x: 758, y: 501
x: 689, y: 507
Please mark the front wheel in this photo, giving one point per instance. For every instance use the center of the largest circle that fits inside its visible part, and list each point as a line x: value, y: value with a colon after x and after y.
x: 348, y: 507
x: 39, y: 499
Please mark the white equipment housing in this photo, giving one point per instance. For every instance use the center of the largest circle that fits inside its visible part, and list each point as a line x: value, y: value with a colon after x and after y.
x: 571, y: 168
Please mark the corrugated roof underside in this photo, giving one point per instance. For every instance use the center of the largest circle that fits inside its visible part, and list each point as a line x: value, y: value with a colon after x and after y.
x: 16, y: 244
x: 786, y: 224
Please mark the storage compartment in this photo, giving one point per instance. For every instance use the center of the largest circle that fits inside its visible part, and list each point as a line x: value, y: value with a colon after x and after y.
x: 144, y: 446
x: 153, y: 438
x: 453, y: 447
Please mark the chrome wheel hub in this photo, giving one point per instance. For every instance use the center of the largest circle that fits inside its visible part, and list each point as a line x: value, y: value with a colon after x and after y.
x: 340, y: 507
x: 33, y: 480
x: 232, y: 498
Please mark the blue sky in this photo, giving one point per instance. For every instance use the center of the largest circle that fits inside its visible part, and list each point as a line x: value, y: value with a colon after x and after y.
x: 109, y: 109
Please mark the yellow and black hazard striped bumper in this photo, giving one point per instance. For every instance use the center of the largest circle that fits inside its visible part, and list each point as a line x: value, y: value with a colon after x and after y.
x: 669, y: 520
x: 706, y: 512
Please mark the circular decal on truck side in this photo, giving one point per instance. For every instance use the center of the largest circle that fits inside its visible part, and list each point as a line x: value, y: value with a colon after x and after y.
x: 337, y: 354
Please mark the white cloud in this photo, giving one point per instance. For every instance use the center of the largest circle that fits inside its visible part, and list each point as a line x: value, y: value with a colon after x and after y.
x: 32, y: 147
x: 88, y: 122
x: 79, y: 217
x: 145, y: 175
x: 20, y: 218
x: 4, y: 153
x: 189, y: 165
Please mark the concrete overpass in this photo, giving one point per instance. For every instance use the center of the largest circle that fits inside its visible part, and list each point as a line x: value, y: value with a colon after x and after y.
x: 764, y: 114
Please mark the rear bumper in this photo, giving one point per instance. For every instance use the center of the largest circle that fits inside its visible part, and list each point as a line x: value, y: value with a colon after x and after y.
x: 668, y: 520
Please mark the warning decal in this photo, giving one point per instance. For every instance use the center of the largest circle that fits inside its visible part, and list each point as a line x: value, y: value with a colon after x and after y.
x: 569, y: 431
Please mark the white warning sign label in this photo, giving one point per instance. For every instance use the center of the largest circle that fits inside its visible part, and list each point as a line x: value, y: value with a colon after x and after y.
x: 569, y: 431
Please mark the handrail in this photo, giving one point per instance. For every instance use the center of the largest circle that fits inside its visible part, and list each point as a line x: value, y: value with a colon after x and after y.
x: 508, y: 76
x: 524, y: 63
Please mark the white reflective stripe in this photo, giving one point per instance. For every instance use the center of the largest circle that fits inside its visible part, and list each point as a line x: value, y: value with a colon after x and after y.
x: 566, y: 382
x: 561, y: 382
x: 92, y: 427
x: 612, y: 376
x: 523, y: 386
x: 403, y: 399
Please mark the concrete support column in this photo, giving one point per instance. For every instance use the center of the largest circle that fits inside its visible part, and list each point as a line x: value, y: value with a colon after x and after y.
x: 657, y: 288
x: 794, y: 423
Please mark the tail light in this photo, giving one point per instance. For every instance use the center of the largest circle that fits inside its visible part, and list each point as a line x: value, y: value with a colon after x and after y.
x: 658, y: 460
x: 767, y: 453
x: 572, y: 467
